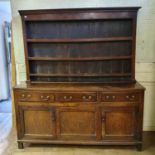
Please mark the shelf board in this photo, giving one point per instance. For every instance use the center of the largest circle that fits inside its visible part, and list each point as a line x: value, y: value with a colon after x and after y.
x: 74, y: 82
x: 74, y: 40
x: 81, y: 75
x: 80, y: 59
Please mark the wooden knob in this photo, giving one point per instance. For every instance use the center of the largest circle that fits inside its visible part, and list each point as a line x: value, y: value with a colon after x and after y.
x: 28, y: 95
x: 133, y: 96
x: 47, y: 97
x: 127, y: 97
x: 84, y: 97
x: 90, y: 97
x: 23, y: 95
x: 113, y: 97
x: 107, y: 97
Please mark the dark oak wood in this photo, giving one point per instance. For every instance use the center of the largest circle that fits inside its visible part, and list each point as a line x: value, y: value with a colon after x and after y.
x: 71, y: 126
x: 80, y: 41
x: 38, y: 122
x: 80, y: 59
x: 81, y: 86
x: 79, y: 114
x: 79, y: 75
x: 79, y: 13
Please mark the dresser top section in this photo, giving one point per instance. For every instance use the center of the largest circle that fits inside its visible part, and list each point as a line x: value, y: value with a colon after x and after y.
x: 80, y: 45
x: 81, y: 87
x: 25, y: 12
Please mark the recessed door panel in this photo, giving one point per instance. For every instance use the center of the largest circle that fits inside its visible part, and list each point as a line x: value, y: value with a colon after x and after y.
x: 118, y: 124
x: 38, y: 122
x: 80, y: 124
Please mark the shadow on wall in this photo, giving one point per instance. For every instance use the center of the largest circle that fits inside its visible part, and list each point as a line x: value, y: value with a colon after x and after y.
x: 5, y: 106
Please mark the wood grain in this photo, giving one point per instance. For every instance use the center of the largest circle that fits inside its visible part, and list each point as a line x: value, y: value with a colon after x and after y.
x: 86, y: 57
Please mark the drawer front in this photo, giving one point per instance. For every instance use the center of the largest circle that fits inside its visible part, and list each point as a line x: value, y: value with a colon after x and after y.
x: 26, y: 96
x: 76, y: 97
x: 120, y: 97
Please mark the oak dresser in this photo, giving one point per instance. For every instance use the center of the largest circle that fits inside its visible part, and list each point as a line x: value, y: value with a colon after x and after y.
x: 80, y: 69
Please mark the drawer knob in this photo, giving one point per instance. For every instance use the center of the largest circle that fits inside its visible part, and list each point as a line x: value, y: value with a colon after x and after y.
x: 23, y: 95
x: 89, y: 97
x: 127, y: 97
x: 28, y: 96
x: 84, y: 97
x: 107, y: 97
x: 113, y: 97
x: 133, y: 96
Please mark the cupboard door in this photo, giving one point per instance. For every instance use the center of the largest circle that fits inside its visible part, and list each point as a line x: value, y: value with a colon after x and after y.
x: 78, y: 123
x: 37, y: 122
x: 119, y: 124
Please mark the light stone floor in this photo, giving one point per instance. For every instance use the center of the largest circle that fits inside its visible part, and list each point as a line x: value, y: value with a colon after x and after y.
x: 8, y: 145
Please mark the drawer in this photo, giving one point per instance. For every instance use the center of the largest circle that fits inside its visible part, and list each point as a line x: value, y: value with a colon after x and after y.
x: 35, y: 96
x: 120, y: 97
x: 76, y: 97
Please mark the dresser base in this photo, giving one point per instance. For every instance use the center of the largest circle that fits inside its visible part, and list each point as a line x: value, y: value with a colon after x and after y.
x: 80, y: 114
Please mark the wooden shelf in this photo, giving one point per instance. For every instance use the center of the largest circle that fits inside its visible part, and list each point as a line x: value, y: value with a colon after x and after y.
x: 101, y: 49
x: 115, y: 82
x: 82, y: 75
x: 80, y: 59
x: 74, y: 40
